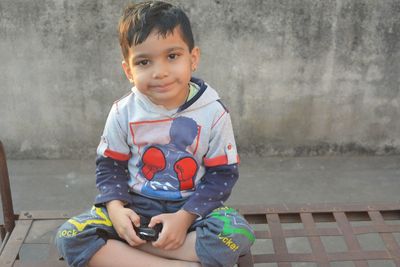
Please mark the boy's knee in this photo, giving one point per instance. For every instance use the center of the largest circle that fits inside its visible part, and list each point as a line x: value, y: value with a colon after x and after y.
x: 79, y: 238
x: 66, y: 231
x: 64, y: 240
x: 83, y: 225
x: 224, y: 232
x: 65, y: 234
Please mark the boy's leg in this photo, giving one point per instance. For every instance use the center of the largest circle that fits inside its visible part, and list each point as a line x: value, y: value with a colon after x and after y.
x: 187, y: 252
x: 89, y: 239
x: 116, y: 253
x: 223, y: 232
x: 79, y: 238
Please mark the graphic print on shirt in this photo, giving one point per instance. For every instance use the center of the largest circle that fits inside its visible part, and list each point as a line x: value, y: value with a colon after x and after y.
x: 170, y: 168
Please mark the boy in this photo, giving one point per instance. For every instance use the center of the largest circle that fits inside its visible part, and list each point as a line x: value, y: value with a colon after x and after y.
x: 167, y: 158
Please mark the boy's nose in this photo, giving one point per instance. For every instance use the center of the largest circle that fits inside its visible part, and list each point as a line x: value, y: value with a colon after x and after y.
x: 160, y: 71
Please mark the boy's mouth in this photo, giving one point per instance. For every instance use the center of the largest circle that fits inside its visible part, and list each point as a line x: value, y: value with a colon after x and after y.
x: 162, y: 87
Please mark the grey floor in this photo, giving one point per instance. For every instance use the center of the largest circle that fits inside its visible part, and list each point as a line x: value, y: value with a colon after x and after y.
x: 70, y: 184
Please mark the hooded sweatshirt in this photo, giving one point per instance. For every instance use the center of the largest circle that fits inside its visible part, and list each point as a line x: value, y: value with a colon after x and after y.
x: 184, y: 154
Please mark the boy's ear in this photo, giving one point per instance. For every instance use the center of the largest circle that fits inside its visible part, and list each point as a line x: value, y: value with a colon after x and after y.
x: 127, y: 70
x: 195, y: 57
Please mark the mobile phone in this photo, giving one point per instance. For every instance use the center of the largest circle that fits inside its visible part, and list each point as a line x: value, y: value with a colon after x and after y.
x: 148, y: 233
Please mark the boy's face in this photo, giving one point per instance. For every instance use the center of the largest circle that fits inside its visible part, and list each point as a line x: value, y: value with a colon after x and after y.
x: 161, y: 68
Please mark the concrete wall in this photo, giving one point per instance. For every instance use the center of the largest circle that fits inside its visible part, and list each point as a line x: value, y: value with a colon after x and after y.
x: 303, y: 77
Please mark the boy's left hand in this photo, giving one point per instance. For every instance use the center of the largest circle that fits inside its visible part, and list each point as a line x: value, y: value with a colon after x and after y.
x: 174, y: 231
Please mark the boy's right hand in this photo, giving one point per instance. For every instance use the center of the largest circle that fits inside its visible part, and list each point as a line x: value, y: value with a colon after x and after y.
x: 122, y: 219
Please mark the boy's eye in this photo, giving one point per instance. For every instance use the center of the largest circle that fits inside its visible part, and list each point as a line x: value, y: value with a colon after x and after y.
x: 172, y: 56
x: 142, y: 62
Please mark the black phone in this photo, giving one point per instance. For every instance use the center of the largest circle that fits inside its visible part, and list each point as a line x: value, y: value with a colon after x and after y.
x: 148, y: 233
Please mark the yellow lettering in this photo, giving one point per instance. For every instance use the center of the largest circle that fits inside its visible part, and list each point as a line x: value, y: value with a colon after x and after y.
x: 68, y: 233
x: 228, y: 242
x: 221, y: 208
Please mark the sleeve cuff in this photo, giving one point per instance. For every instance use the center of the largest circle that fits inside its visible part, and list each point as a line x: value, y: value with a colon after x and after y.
x: 101, y: 199
x: 202, y: 211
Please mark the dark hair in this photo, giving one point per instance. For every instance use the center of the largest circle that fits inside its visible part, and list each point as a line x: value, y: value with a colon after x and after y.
x: 139, y: 20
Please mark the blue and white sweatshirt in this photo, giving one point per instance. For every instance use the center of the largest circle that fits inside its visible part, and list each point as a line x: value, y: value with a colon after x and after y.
x: 184, y: 154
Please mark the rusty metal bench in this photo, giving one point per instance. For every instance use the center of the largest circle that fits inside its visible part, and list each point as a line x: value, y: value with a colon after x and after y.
x: 285, y: 234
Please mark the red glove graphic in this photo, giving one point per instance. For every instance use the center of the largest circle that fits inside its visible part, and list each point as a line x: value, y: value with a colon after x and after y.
x: 153, y: 162
x: 186, y: 169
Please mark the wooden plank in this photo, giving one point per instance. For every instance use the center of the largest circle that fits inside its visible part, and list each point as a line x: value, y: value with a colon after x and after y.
x: 376, y: 229
x: 5, y: 193
x: 350, y: 239
x: 359, y: 256
x: 47, y: 214
x: 290, y: 233
x: 388, y: 238
x: 53, y: 252
x: 49, y: 263
x: 284, y: 264
x: 43, y: 231
x: 278, y: 239
x: 3, y: 233
x: 317, y: 232
x: 315, y: 241
x: 275, y: 258
x: 317, y: 208
x: 245, y: 260
x: 11, y: 250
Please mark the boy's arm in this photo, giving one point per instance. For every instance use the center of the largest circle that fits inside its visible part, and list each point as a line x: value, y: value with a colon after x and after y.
x: 122, y: 219
x: 213, y: 190
x: 111, y: 180
x: 221, y: 162
x: 112, y: 176
x: 113, y: 154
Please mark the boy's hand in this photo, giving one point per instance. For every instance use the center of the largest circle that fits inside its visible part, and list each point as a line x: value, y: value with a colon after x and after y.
x: 122, y: 219
x: 174, y: 231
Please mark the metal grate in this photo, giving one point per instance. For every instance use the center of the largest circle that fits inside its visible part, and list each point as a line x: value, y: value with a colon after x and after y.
x: 296, y: 235
x: 325, y: 235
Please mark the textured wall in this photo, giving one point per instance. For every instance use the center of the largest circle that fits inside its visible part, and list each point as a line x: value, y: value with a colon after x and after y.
x: 303, y: 77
